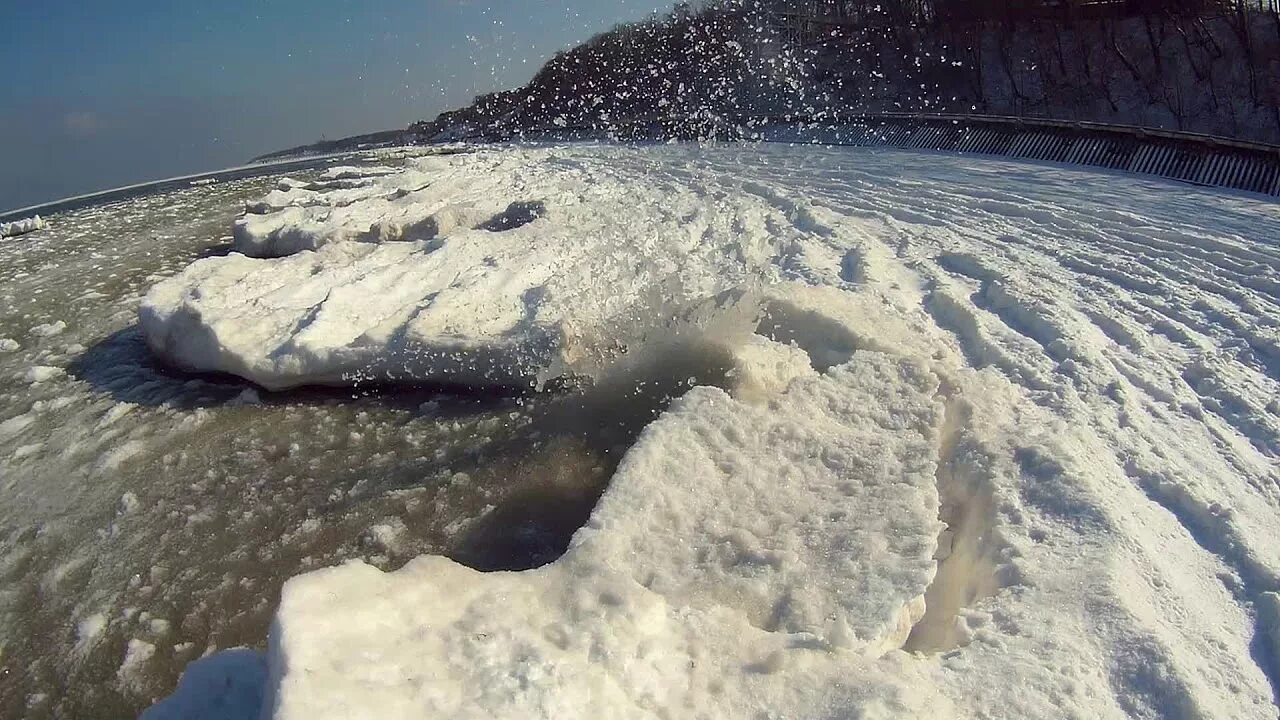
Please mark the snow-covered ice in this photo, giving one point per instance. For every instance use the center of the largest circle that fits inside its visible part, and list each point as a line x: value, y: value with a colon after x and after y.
x: 951, y: 437
x: 997, y: 433
x: 743, y: 556
x: 469, y: 279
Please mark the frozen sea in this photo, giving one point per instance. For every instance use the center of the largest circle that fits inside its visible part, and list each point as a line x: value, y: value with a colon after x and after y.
x: 958, y: 437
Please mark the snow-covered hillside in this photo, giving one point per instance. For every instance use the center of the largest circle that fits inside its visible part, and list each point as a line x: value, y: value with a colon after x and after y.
x: 991, y: 439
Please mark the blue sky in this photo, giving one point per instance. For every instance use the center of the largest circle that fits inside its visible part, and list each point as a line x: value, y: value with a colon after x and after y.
x: 100, y: 93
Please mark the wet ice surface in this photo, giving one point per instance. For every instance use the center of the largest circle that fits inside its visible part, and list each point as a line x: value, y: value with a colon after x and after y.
x: 149, y: 516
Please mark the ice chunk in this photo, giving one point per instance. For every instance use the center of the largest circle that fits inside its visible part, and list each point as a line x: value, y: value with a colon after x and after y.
x: 387, y: 536
x: 137, y: 654
x: 247, y: 397
x: 743, y: 556
x: 479, y: 288
x: 88, y: 630
x: 351, y: 312
x: 128, y: 504
x: 15, y: 425
x: 42, y: 373
x: 49, y: 329
x: 22, y: 227
x: 765, y: 368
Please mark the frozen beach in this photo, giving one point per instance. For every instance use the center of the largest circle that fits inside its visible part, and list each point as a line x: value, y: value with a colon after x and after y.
x: 662, y: 431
